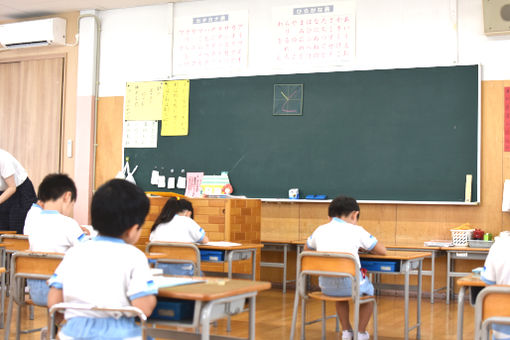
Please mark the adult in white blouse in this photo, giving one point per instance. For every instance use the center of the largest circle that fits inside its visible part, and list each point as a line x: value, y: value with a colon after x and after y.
x: 17, y: 193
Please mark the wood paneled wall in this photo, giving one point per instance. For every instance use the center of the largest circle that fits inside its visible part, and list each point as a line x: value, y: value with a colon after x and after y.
x: 109, y: 139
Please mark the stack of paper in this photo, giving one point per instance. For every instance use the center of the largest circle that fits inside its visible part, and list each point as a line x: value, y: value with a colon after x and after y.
x: 222, y: 244
x: 438, y: 243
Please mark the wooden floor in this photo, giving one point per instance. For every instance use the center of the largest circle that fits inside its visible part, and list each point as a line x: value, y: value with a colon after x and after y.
x: 274, y: 317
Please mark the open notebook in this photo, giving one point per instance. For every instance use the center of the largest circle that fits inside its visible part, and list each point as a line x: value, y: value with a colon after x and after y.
x: 172, y: 281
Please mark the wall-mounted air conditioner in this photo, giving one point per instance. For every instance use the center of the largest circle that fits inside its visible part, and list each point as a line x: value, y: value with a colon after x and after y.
x: 33, y: 33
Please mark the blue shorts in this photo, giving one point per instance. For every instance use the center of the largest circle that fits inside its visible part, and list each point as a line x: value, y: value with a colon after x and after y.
x: 342, y: 286
x: 84, y: 328
x: 38, y: 291
x: 185, y: 269
x: 501, y: 332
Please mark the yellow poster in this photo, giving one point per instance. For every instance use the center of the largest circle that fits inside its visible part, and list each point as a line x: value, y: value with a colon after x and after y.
x: 144, y: 100
x: 175, y: 113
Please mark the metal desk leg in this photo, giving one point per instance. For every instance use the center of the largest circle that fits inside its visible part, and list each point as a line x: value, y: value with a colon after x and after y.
x: 460, y: 313
x: 251, y: 336
x: 433, y: 275
x: 253, y: 263
x: 418, y: 302
x: 230, y: 257
x: 285, y: 246
x: 406, y: 300
x: 448, y: 271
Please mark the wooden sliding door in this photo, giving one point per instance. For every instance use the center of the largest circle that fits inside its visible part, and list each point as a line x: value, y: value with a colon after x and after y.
x: 31, y: 114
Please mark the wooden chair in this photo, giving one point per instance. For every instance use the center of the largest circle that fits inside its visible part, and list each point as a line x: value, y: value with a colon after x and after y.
x: 27, y: 265
x: 177, y: 253
x: 11, y: 242
x: 492, y: 306
x: 311, y: 263
x: 61, y: 307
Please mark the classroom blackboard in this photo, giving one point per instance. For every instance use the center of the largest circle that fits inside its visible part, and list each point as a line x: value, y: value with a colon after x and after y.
x: 391, y: 135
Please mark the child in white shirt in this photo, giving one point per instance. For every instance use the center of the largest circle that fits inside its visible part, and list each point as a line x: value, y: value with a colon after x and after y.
x: 52, y: 229
x: 342, y: 234
x: 497, y: 271
x: 175, y: 224
x: 108, y: 271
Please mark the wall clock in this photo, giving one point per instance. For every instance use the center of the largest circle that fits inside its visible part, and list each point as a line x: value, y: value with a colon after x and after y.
x: 288, y: 99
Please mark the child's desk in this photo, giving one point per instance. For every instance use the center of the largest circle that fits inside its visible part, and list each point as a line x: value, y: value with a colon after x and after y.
x: 274, y: 245
x: 232, y: 253
x: 409, y: 261
x: 468, y: 281
x: 214, y: 299
x: 434, y: 251
x: 460, y: 253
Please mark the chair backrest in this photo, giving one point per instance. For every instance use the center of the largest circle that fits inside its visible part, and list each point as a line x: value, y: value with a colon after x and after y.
x: 35, y: 263
x: 15, y: 242
x: 327, y: 264
x: 492, y: 306
x: 31, y: 265
x: 177, y: 253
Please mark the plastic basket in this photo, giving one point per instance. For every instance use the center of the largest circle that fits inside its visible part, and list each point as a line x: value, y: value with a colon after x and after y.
x: 460, y: 238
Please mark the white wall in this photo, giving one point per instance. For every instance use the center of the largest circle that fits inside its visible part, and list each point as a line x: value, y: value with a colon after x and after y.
x: 136, y: 43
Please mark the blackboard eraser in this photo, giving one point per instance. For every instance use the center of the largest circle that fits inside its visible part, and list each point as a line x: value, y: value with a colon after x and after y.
x: 320, y: 197
x: 310, y: 197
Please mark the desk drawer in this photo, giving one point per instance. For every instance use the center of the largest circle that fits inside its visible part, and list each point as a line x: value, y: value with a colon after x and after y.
x: 173, y: 310
x: 468, y: 255
x: 212, y: 255
x: 381, y: 266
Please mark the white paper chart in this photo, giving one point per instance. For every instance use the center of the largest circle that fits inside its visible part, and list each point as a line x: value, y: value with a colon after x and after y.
x: 140, y: 134
x: 316, y: 34
x: 210, y: 42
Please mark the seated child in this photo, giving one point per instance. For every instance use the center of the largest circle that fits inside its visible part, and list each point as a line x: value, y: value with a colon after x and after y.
x: 107, y: 271
x: 32, y: 214
x: 342, y: 234
x: 51, y: 229
x: 497, y: 271
x: 175, y: 224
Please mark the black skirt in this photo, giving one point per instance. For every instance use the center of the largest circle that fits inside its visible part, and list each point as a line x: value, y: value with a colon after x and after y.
x: 14, y: 211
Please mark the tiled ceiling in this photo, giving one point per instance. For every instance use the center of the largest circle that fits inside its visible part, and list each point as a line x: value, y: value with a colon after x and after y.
x: 20, y: 9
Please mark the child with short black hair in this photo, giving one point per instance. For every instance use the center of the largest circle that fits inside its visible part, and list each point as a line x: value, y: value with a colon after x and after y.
x: 342, y: 234
x: 107, y: 271
x: 51, y: 228
x: 175, y: 224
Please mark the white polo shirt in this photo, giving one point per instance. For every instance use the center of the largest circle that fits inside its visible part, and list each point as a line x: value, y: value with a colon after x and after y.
x: 51, y: 231
x: 179, y: 229
x: 340, y: 236
x: 105, y: 272
x: 32, y: 217
x: 497, y: 267
x: 10, y: 166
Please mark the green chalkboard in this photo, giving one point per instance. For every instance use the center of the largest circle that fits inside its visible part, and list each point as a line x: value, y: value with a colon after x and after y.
x: 400, y: 134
